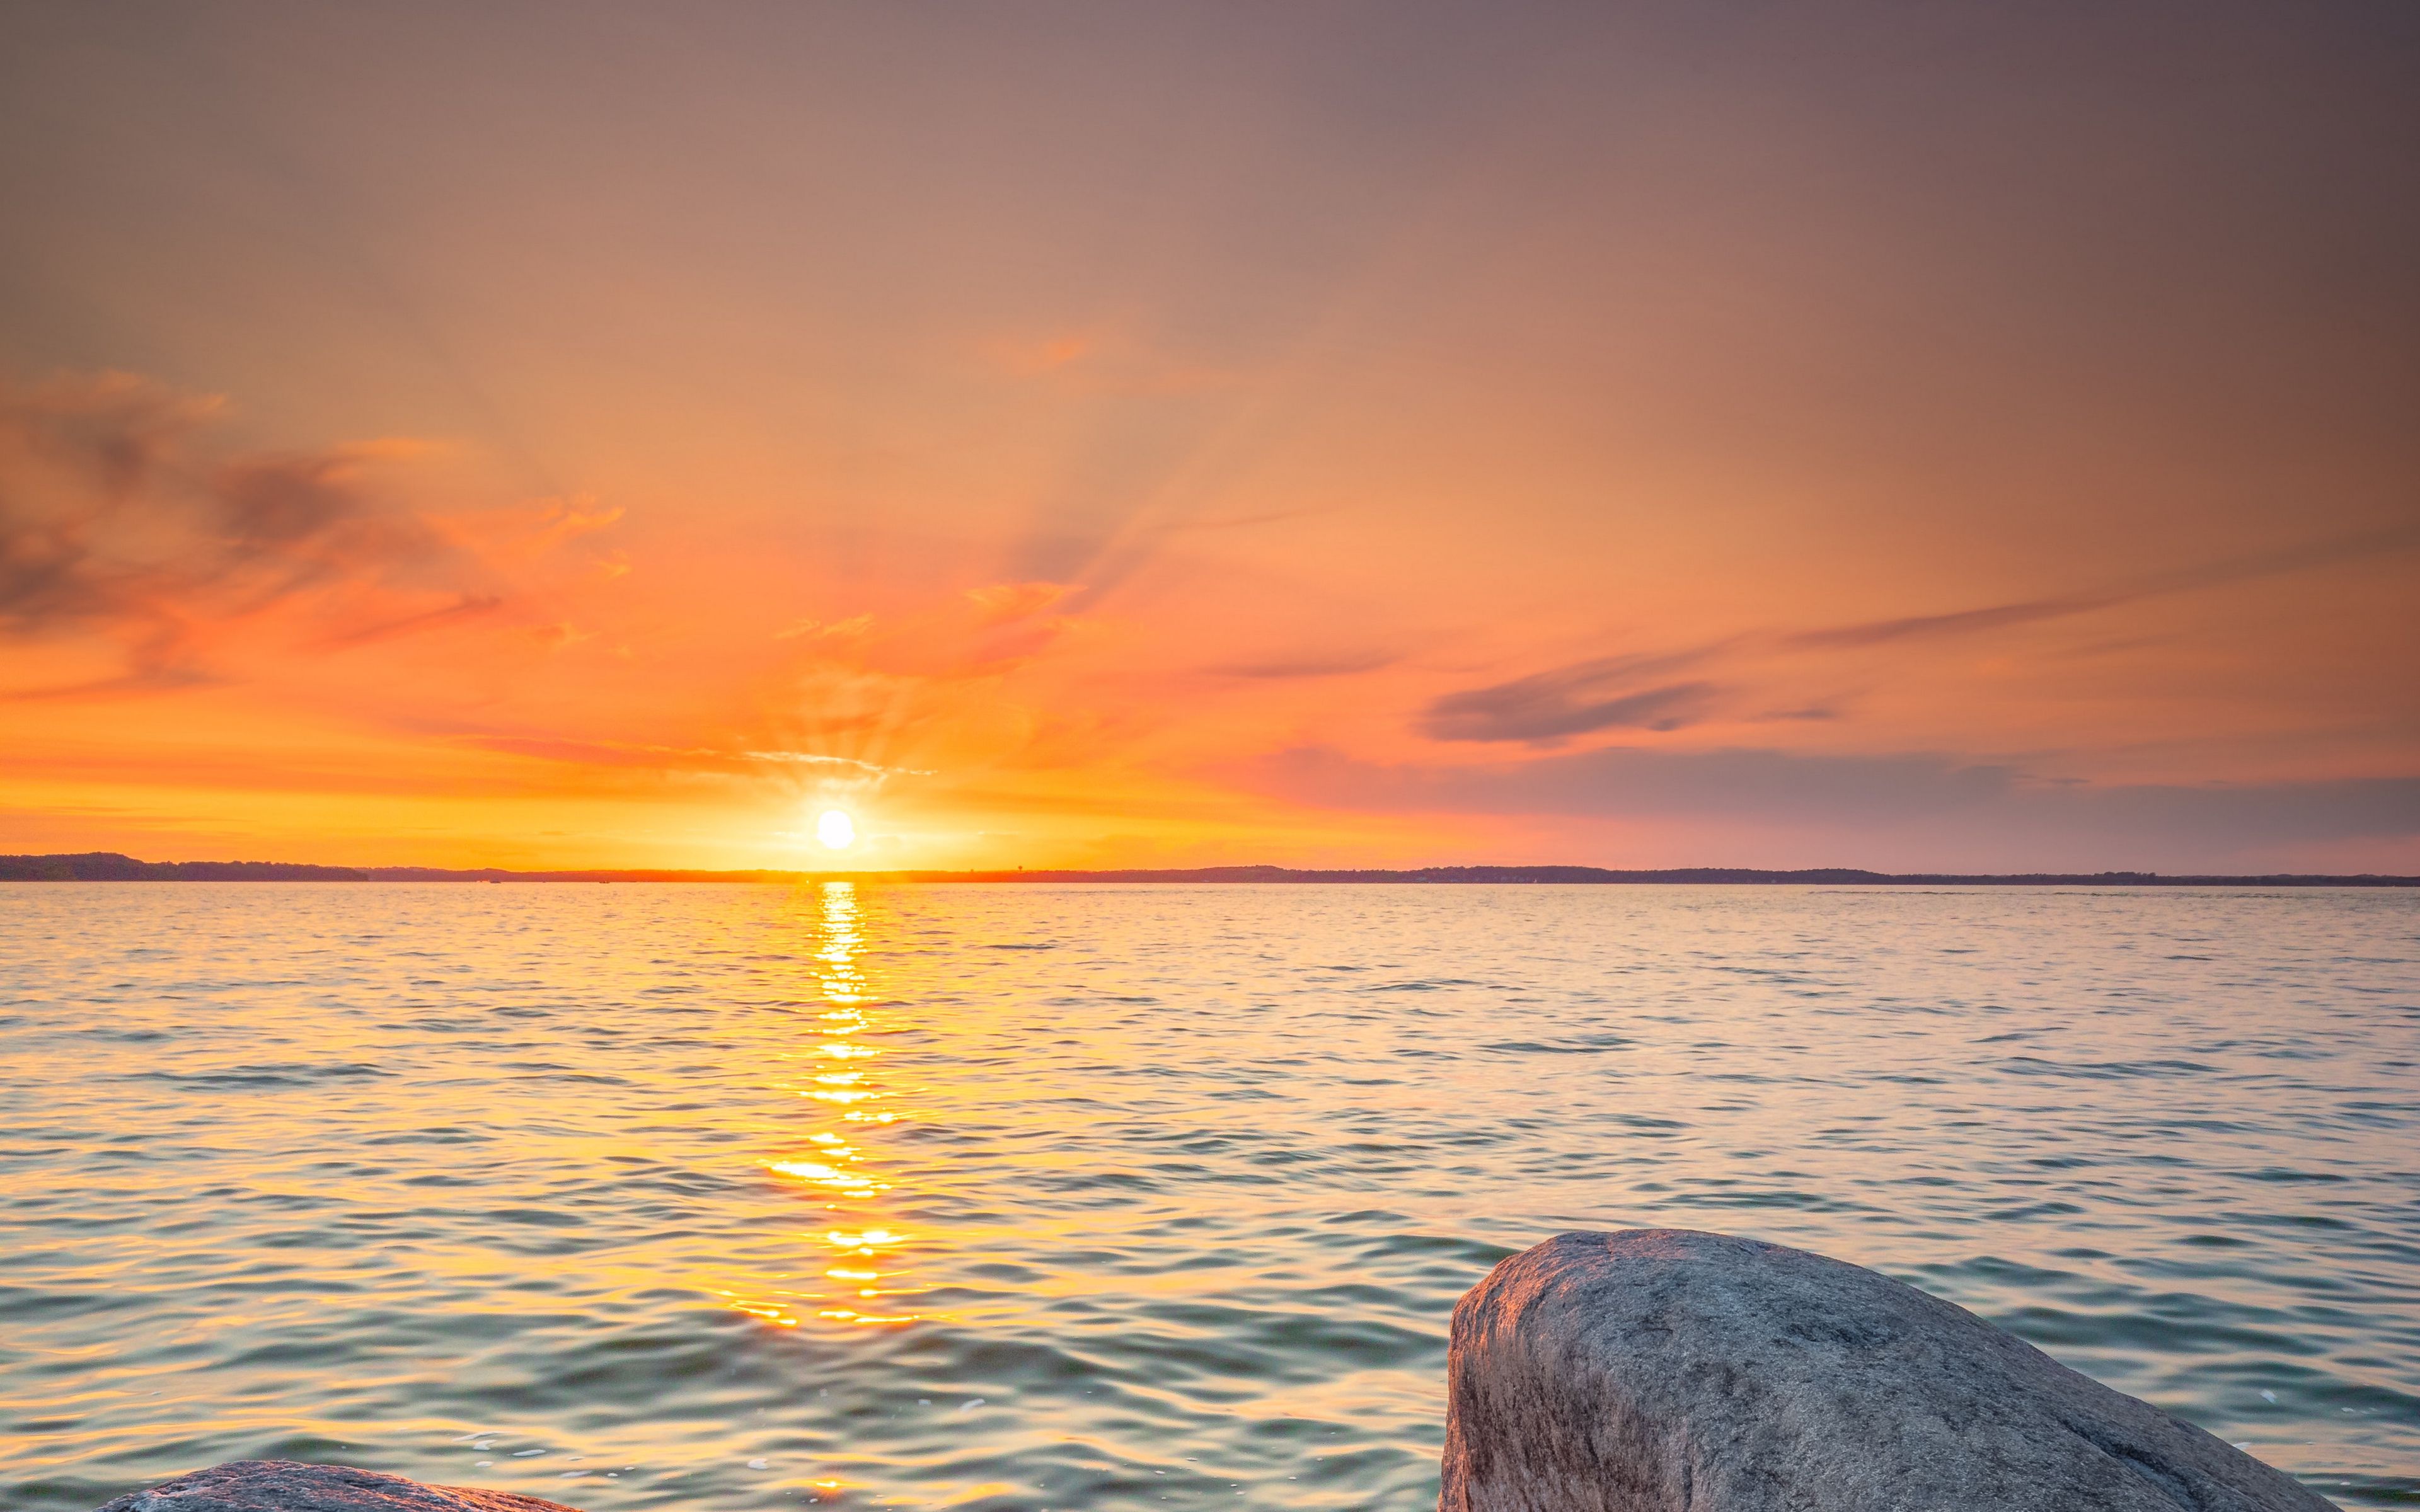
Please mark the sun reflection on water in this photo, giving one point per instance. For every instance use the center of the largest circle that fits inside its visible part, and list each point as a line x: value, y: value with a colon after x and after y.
x: 831, y: 1165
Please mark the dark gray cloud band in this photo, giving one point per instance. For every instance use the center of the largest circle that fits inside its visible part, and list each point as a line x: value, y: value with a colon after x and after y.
x: 1965, y: 814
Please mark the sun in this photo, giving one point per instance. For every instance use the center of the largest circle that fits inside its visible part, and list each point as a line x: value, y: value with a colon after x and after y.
x: 836, y: 829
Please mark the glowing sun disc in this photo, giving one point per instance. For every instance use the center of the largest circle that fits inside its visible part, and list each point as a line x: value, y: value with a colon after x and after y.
x: 835, y: 830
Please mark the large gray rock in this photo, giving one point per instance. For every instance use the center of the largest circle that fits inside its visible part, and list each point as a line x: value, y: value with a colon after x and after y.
x: 1662, y: 1370
x: 285, y: 1486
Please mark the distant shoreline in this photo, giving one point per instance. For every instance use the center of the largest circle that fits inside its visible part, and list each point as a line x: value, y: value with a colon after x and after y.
x: 109, y: 866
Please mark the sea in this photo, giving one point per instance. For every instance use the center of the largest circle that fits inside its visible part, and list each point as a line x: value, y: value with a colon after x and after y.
x: 852, y: 1195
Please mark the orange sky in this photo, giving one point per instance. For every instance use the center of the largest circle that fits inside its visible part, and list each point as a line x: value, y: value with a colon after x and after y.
x: 588, y: 435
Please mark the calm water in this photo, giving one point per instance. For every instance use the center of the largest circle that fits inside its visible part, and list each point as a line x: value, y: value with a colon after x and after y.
x: 1082, y: 1198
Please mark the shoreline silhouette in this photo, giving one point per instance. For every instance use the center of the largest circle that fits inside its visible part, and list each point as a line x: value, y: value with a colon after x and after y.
x: 111, y: 866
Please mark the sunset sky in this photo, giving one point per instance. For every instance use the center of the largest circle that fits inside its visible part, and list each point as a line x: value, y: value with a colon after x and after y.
x: 1932, y: 435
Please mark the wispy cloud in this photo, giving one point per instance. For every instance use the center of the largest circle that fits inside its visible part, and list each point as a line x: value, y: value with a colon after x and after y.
x: 1960, y: 621
x: 809, y: 758
x: 1629, y: 780
x: 2302, y: 558
x: 1630, y: 692
x: 1604, y: 693
x: 680, y: 758
x: 1283, y: 669
x: 467, y: 607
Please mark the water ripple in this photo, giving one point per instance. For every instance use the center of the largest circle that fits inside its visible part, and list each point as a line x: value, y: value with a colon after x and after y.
x: 1059, y: 1197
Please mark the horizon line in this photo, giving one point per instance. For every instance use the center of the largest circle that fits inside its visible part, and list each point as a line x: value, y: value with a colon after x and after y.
x: 113, y: 866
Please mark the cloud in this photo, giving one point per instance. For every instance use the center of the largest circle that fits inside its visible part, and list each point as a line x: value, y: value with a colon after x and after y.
x: 1342, y: 664
x: 467, y: 607
x: 808, y: 758
x: 1600, y: 694
x: 149, y: 673
x: 1623, y: 693
x: 1995, y: 617
x: 1966, y: 813
x: 1626, y: 780
x: 117, y: 517
x: 2323, y: 553
x: 660, y: 757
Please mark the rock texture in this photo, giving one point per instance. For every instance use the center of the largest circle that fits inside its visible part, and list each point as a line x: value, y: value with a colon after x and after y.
x: 285, y: 1486
x: 1662, y: 1370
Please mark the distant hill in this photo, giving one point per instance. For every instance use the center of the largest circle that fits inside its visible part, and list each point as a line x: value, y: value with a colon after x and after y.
x: 108, y: 866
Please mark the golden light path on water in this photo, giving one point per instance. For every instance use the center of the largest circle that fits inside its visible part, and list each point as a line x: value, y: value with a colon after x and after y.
x: 843, y: 1080
x: 1006, y: 1199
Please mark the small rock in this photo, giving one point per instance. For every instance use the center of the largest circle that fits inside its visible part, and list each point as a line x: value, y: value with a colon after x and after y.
x: 286, y: 1486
